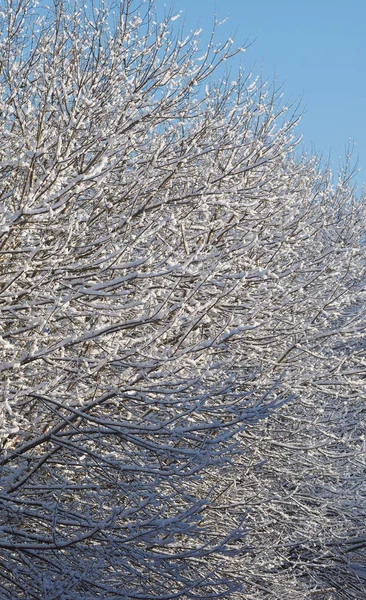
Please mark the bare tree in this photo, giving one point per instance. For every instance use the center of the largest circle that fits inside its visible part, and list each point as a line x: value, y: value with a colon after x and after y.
x: 182, y: 323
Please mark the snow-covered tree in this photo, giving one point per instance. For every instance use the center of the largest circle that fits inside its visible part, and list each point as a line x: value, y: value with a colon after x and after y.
x: 182, y: 323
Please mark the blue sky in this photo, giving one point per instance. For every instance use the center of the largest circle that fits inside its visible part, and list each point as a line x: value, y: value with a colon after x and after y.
x: 317, y: 51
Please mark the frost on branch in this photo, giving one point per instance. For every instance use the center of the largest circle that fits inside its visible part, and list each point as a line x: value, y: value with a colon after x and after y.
x: 182, y: 324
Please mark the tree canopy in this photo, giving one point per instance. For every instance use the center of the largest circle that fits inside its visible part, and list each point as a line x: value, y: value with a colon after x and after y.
x: 182, y: 323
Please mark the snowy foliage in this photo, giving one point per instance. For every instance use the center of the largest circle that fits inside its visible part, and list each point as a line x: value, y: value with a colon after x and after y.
x: 182, y: 324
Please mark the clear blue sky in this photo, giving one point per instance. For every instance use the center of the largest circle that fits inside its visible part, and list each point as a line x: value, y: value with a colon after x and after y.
x: 315, y: 48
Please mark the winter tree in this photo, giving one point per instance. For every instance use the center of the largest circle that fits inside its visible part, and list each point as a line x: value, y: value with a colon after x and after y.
x: 182, y: 323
